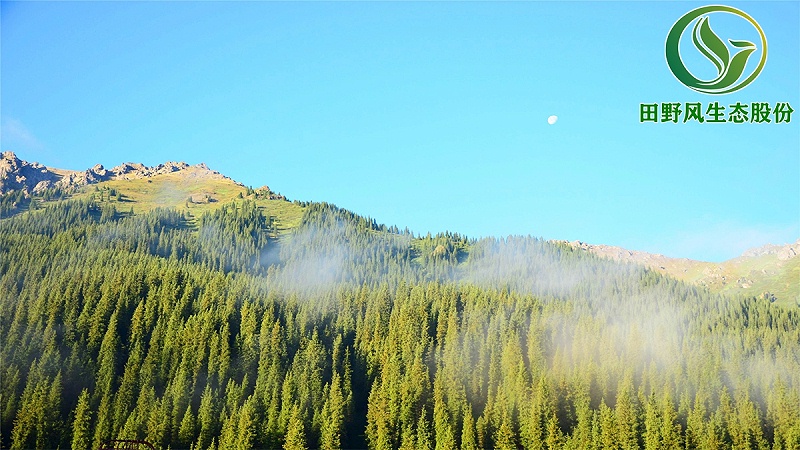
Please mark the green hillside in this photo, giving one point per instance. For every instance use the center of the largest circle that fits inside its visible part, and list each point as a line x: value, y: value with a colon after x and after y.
x: 192, y: 191
x: 197, y: 191
x: 772, y: 274
x: 764, y: 275
x: 216, y: 326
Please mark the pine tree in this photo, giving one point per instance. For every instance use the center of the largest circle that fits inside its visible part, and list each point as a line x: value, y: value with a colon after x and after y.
x: 670, y: 428
x: 608, y: 435
x: 468, y: 439
x: 246, y: 428
x: 626, y: 416
x: 333, y: 416
x: 423, y: 440
x: 482, y: 431
x: 229, y: 435
x: 378, y: 420
x: 186, y: 432
x: 443, y: 429
x: 295, y: 434
x: 407, y: 439
x: 81, y: 426
x: 504, y: 437
x: 104, y: 423
x: 695, y: 422
x: 555, y: 437
x: 206, y: 417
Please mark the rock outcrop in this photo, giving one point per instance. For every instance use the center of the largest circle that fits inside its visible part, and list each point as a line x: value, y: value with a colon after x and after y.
x: 32, y: 178
x: 16, y: 174
x: 653, y: 260
x: 783, y: 252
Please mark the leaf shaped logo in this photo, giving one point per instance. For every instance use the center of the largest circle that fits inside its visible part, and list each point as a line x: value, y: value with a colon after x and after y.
x: 710, y: 45
x: 729, y: 69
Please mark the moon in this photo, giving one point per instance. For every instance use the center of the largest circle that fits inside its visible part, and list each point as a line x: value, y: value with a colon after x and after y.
x: 552, y: 120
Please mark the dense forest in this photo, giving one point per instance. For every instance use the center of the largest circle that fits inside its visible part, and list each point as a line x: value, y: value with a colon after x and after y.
x: 216, y: 332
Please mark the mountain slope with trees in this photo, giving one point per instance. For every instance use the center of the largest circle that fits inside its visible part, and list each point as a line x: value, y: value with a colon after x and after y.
x: 771, y: 272
x: 216, y: 332
x: 255, y: 322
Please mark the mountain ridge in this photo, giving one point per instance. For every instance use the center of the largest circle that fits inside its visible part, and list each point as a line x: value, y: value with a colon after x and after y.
x: 770, y: 271
x: 782, y: 252
x: 33, y: 177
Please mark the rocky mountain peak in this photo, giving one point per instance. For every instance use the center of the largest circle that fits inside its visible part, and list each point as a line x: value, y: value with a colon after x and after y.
x: 31, y: 178
x: 17, y: 174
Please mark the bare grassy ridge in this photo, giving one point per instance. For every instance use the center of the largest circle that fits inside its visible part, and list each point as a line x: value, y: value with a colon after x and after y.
x: 774, y: 274
x: 194, y: 190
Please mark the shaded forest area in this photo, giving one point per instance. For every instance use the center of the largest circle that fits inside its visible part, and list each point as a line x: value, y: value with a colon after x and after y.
x: 207, y: 333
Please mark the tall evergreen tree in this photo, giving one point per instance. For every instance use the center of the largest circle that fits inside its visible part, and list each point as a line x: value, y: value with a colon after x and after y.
x: 81, y: 425
x: 295, y: 435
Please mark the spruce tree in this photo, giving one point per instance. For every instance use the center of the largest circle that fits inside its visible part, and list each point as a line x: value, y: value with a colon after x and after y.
x: 81, y: 426
x: 295, y: 434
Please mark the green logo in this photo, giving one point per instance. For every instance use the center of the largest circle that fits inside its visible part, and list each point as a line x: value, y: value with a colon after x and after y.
x: 730, y: 69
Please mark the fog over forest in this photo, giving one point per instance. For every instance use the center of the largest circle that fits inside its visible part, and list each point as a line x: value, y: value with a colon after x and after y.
x: 216, y: 332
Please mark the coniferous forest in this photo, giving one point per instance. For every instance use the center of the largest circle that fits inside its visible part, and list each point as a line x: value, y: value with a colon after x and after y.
x: 218, y: 332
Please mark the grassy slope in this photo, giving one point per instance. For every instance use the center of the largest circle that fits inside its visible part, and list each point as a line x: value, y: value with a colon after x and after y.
x: 173, y: 190
x: 757, y: 275
x: 746, y: 275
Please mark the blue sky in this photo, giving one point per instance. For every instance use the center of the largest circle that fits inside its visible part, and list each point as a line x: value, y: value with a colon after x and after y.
x: 426, y: 115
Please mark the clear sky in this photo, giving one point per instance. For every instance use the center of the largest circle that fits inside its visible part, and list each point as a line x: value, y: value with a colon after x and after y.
x: 426, y: 115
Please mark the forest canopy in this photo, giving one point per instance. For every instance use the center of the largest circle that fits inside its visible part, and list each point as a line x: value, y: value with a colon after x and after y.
x: 216, y: 332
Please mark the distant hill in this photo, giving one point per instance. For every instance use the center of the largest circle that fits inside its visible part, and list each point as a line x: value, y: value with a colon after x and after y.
x: 134, y: 186
x: 771, y: 271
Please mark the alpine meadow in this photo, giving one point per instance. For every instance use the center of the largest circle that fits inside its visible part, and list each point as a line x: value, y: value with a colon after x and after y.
x: 232, y: 318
